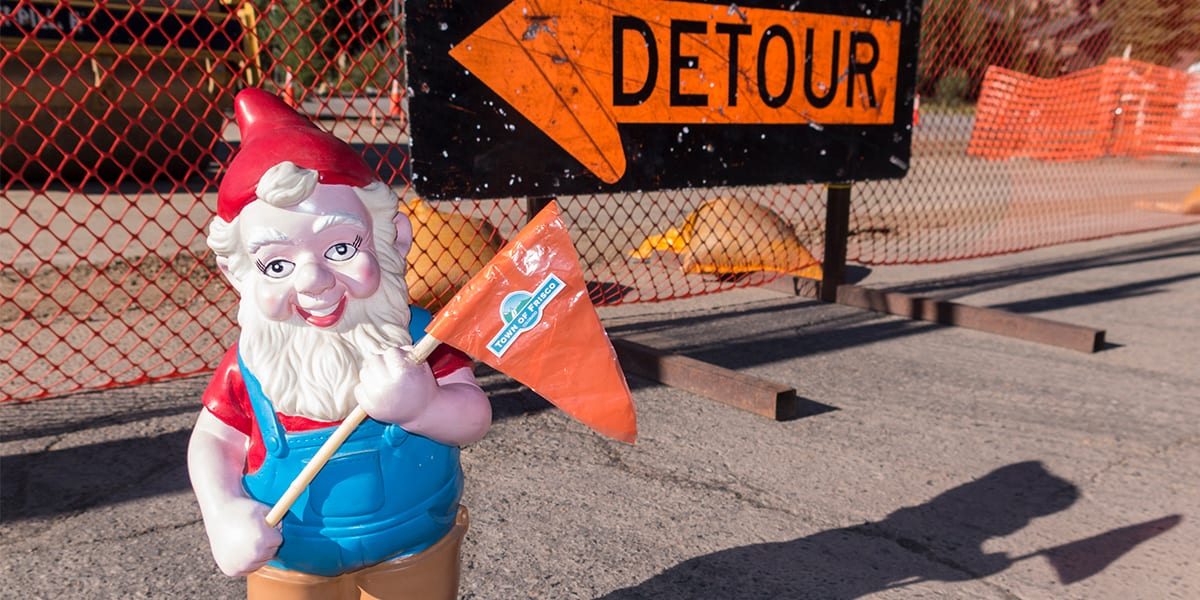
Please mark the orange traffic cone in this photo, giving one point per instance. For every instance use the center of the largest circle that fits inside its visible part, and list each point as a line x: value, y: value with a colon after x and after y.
x: 916, y: 110
x: 289, y: 91
x: 395, y: 110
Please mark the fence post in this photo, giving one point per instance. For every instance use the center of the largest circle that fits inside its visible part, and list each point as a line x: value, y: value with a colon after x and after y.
x: 837, y: 232
x: 534, y: 205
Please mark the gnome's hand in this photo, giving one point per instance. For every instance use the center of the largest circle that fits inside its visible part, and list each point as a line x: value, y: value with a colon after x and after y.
x: 394, y: 389
x: 241, y: 540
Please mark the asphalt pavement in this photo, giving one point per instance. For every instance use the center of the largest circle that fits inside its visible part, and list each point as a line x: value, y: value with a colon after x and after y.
x: 927, y: 462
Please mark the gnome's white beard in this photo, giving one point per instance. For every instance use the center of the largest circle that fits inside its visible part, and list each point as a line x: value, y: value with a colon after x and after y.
x: 312, y: 372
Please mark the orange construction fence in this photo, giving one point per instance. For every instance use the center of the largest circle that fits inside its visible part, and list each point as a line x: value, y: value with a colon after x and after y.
x: 115, y: 125
x: 1120, y: 108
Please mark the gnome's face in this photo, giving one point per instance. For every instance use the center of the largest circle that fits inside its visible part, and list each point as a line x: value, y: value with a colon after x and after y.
x: 311, y: 258
x: 322, y: 286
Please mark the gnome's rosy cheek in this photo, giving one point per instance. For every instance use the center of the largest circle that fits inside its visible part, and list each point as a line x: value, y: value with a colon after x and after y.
x: 274, y: 300
x: 361, y: 278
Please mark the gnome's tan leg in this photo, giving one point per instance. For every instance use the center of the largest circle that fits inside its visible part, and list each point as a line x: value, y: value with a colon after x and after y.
x: 270, y: 583
x: 430, y: 575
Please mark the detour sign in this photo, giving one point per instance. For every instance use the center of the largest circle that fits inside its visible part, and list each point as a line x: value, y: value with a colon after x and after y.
x: 543, y: 97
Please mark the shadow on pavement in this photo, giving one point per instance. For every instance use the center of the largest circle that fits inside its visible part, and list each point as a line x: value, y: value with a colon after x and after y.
x: 974, y: 283
x: 941, y: 540
x: 737, y: 339
x: 57, y: 481
x: 1096, y: 296
x: 45, y: 483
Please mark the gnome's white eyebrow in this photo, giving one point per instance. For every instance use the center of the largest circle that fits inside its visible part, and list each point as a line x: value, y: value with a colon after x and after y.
x: 262, y: 236
x: 334, y: 219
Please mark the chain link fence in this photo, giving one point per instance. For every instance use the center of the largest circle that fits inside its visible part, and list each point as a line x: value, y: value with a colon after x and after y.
x: 1041, y: 122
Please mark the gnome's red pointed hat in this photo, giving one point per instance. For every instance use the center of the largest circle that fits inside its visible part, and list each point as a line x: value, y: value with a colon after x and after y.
x: 271, y: 133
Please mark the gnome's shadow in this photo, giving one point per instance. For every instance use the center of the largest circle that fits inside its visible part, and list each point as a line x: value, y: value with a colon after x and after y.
x: 941, y: 540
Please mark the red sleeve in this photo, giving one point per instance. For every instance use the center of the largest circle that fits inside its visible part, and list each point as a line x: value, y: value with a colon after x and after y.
x: 447, y: 359
x: 227, y: 399
x: 226, y: 396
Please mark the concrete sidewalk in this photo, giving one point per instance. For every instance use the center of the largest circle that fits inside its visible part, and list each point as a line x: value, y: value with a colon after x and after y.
x: 929, y: 461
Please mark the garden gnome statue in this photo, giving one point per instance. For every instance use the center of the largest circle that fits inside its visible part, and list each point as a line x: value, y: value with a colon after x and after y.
x: 311, y: 240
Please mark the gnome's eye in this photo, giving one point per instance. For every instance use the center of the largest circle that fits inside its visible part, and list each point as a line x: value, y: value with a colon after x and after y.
x: 277, y: 269
x: 344, y: 251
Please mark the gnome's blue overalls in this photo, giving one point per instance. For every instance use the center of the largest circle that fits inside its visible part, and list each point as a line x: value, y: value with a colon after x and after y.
x: 385, y: 493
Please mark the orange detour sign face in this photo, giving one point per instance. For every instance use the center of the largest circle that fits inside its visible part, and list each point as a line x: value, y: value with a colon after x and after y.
x: 528, y: 315
x: 676, y: 62
x: 580, y: 73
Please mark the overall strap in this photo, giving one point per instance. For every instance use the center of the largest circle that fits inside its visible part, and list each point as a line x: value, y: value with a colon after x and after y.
x: 268, y: 424
x: 418, y: 320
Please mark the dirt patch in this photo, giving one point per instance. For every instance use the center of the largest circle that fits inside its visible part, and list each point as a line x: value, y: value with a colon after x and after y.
x: 86, y: 291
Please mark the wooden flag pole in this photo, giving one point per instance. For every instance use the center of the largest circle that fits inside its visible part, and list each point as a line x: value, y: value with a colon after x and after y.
x: 419, y: 354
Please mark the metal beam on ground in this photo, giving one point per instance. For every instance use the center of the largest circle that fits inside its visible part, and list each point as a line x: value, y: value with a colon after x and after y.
x: 991, y: 320
x: 740, y: 390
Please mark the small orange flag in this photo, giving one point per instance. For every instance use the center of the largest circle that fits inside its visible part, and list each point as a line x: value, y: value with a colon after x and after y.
x: 527, y: 314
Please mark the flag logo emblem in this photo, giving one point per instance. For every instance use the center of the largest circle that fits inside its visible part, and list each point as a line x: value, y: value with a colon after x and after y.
x: 521, y: 311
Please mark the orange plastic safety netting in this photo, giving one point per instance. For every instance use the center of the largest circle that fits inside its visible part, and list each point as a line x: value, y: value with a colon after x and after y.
x: 117, y: 120
x: 1120, y: 108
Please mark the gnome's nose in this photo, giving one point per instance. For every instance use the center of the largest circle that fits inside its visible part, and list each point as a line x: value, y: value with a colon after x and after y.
x: 312, y: 279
